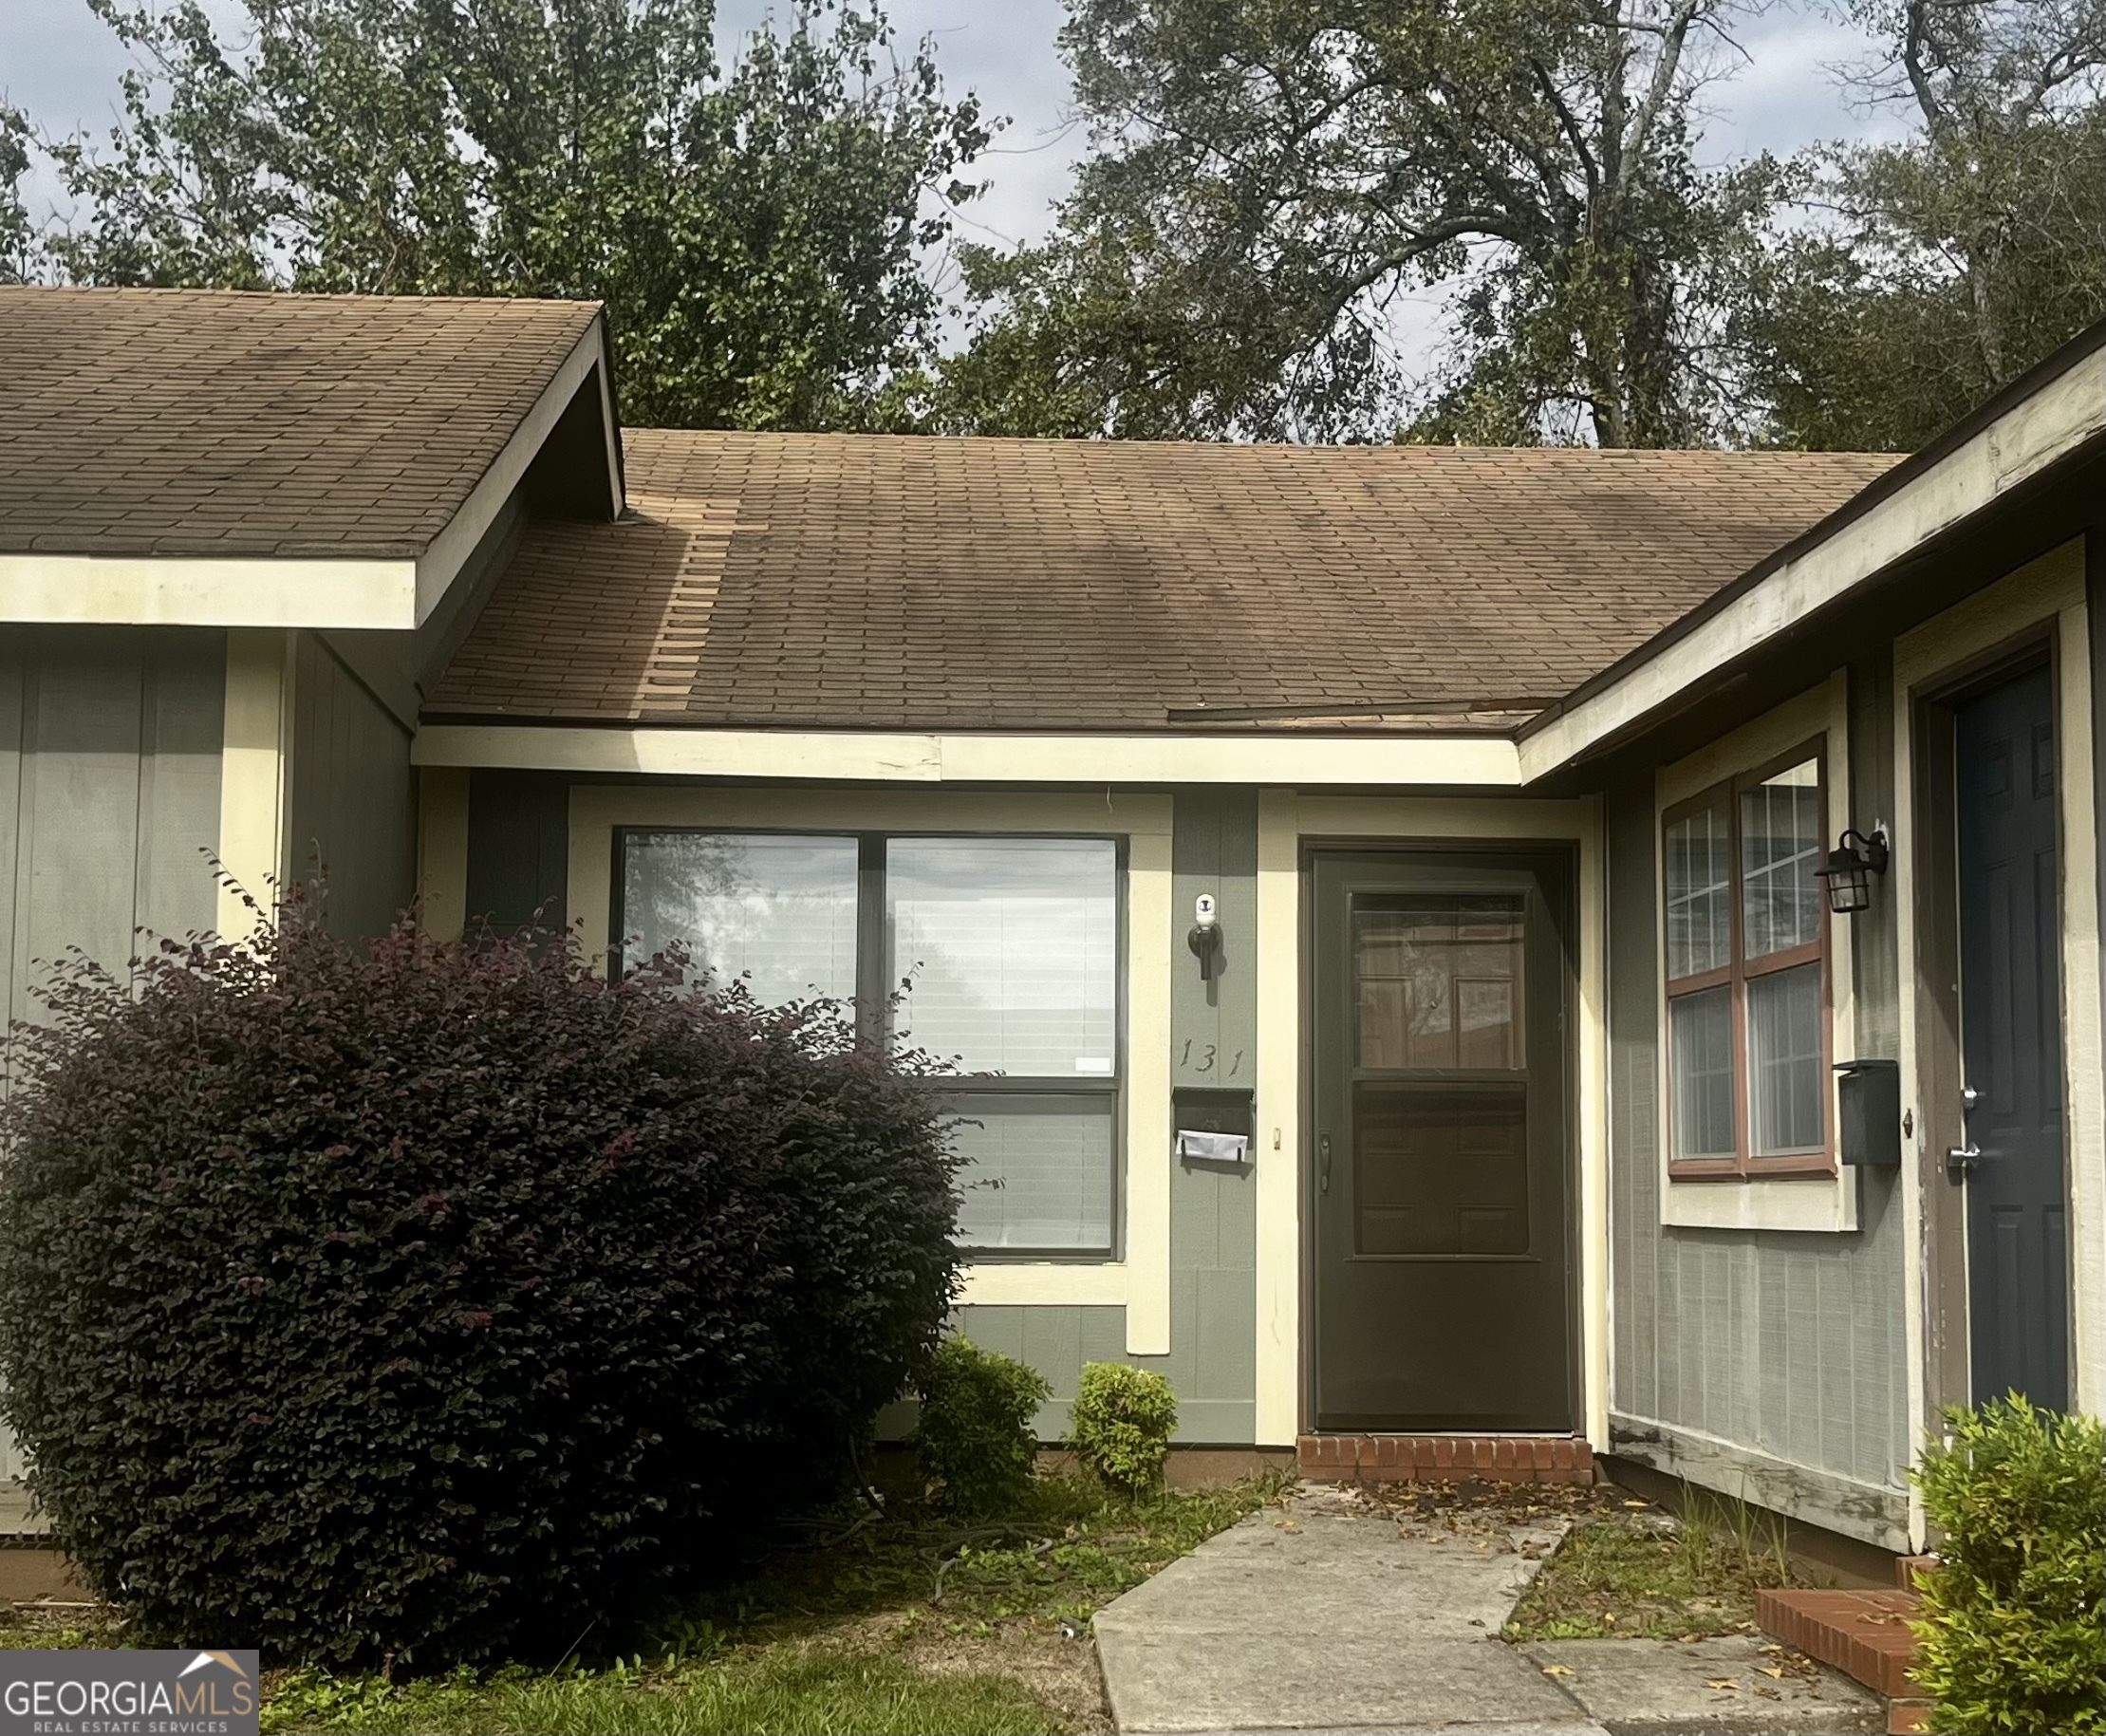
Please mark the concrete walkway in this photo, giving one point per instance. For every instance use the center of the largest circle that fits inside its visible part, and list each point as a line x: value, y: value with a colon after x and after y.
x: 1323, y: 1617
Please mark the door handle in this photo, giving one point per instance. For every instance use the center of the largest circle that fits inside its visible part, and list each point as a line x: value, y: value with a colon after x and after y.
x: 1323, y: 1163
x: 1959, y: 1161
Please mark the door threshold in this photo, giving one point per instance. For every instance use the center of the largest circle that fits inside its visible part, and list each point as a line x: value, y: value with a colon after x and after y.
x: 1446, y: 1458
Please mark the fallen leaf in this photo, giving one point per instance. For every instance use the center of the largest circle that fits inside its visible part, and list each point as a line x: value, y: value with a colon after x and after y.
x: 1556, y: 1670
x: 1768, y: 1694
x: 1773, y: 1671
x: 1637, y: 1503
x: 1721, y: 1681
x: 1688, y: 1639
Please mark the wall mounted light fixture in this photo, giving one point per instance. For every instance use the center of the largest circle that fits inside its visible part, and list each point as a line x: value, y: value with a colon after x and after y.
x: 1851, y: 866
x: 1206, y: 937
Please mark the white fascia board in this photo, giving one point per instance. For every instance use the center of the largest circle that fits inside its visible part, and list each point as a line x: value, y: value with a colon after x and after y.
x: 917, y: 758
x: 2059, y: 416
x: 441, y: 564
x: 124, y: 590
x: 296, y: 592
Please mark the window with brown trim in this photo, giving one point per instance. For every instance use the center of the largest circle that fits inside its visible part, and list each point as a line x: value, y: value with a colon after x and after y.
x: 1747, y: 952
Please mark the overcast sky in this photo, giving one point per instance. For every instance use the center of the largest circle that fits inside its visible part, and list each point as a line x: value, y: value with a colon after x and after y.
x: 62, y: 65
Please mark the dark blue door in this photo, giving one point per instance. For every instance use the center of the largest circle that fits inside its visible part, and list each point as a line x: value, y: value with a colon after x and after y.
x: 2010, y: 998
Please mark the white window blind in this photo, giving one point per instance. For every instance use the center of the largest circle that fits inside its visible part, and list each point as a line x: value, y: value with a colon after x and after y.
x: 1009, y: 947
x: 778, y: 910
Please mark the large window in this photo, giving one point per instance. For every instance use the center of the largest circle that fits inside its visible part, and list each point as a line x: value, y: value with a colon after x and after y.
x: 1004, y: 955
x: 1746, y: 966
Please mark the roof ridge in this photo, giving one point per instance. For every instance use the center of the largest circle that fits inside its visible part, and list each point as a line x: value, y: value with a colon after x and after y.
x: 1370, y: 450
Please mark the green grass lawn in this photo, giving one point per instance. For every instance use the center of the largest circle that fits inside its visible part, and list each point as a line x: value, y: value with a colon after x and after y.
x: 855, y: 1622
x: 765, y: 1690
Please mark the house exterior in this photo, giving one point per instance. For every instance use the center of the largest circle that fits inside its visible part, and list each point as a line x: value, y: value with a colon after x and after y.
x: 1372, y: 896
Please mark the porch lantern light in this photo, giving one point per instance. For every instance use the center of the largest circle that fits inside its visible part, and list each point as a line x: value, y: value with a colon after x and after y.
x: 1849, y: 868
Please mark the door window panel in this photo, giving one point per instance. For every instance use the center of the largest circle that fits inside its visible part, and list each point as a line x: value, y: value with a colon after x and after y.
x: 1439, y: 983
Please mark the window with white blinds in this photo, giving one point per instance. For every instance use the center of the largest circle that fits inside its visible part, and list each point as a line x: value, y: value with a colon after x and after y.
x: 774, y: 909
x: 1003, y: 953
x: 1746, y: 953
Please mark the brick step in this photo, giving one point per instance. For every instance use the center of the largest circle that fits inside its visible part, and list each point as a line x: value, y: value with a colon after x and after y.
x: 1446, y: 1458
x: 1863, y: 1633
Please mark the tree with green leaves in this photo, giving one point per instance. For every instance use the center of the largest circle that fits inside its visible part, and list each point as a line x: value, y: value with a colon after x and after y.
x: 1276, y: 181
x: 14, y: 215
x: 760, y: 235
x: 1939, y: 269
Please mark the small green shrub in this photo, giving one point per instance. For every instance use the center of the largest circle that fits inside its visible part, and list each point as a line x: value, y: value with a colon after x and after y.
x: 2012, y: 1637
x: 976, y: 1432
x: 1120, y: 1427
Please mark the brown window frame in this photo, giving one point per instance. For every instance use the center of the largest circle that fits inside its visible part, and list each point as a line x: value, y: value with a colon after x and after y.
x: 1736, y: 974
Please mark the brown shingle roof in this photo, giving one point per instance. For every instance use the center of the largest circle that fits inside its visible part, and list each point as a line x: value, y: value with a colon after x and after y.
x: 884, y: 583
x: 210, y: 422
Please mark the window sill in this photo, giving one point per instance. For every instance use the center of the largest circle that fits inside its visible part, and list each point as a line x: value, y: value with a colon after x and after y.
x: 1795, y: 1170
x: 1764, y: 1200
x: 1075, y: 1283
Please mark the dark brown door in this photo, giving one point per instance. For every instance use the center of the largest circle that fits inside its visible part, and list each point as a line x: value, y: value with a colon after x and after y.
x: 1440, y: 1269
x: 2011, y: 1024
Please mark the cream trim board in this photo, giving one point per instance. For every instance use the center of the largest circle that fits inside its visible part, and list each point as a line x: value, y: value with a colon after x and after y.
x: 108, y: 590
x: 2062, y: 415
x: 1033, y: 1284
x: 1767, y: 1201
x: 255, y: 743
x: 1278, y: 1109
x: 1285, y: 819
x: 2046, y: 592
x: 442, y: 851
x: 1141, y: 1280
x: 911, y: 757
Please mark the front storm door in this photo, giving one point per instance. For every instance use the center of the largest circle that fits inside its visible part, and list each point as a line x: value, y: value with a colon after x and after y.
x: 2011, y: 1036
x: 1441, y: 1040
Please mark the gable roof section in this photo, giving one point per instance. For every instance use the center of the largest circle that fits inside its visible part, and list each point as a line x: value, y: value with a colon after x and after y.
x: 882, y: 583
x: 144, y: 432
x: 2049, y: 418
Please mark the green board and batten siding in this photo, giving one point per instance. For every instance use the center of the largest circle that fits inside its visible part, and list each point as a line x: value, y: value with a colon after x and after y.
x: 353, y: 806
x: 109, y: 792
x: 517, y: 854
x: 110, y: 798
x: 1787, y: 1351
x: 518, y: 849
